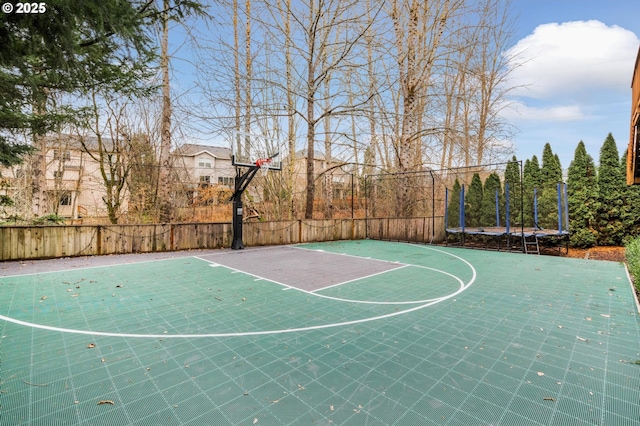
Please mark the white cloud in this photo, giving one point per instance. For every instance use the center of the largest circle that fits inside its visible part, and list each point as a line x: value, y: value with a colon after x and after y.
x: 573, y: 59
x: 520, y: 111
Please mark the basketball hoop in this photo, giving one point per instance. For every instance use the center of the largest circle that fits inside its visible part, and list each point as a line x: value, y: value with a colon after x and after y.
x: 263, y: 163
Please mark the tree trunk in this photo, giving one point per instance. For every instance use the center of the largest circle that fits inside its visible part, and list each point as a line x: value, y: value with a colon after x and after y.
x: 164, y: 183
x: 39, y: 181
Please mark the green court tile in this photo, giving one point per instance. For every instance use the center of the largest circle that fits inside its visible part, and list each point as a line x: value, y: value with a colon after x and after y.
x: 535, y: 410
x: 513, y: 418
x: 502, y: 381
x: 578, y: 412
x: 432, y: 409
x: 414, y: 418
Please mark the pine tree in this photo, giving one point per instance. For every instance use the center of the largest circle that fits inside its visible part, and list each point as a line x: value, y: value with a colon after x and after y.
x: 531, y: 182
x: 492, y: 189
x: 551, y: 171
x: 550, y: 176
x: 453, y: 215
x: 473, y: 202
x: 69, y: 50
x: 512, y: 177
x: 630, y: 211
x: 583, y: 194
x: 611, y: 184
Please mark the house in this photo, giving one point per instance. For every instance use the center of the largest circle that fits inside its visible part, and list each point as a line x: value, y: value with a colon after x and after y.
x: 332, y: 172
x: 633, y: 151
x: 77, y: 185
x: 202, y: 166
x: 74, y: 183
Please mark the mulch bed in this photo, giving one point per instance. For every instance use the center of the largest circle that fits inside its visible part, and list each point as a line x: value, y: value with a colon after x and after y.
x: 614, y: 253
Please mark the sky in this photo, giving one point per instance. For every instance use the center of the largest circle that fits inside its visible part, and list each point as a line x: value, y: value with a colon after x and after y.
x: 576, y: 60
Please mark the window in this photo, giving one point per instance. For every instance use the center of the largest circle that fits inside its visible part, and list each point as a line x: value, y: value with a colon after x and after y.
x: 57, y: 174
x: 223, y: 180
x: 65, y: 198
x: 59, y: 154
x: 204, y: 162
x: 205, y: 181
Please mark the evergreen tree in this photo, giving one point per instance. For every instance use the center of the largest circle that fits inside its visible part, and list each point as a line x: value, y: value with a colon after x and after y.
x: 473, y: 202
x: 630, y: 211
x: 611, y: 184
x: 512, y: 177
x: 492, y: 188
x: 69, y: 50
x: 531, y: 182
x: 550, y: 176
x: 453, y: 216
x: 551, y: 171
x: 583, y: 195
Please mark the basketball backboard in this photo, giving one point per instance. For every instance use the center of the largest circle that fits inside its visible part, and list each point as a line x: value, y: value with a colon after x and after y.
x: 250, y: 150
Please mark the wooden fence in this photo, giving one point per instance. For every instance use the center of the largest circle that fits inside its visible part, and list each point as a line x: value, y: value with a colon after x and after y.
x: 415, y: 229
x: 40, y: 242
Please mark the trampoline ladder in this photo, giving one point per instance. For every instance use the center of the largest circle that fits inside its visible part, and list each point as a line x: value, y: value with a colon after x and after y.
x: 531, y: 244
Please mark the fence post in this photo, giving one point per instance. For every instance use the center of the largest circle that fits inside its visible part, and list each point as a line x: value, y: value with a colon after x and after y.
x: 99, y: 240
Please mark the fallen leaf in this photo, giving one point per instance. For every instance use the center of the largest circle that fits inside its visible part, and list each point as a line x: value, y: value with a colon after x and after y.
x: 582, y: 339
x: 548, y: 398
x: 91, y: 345
x: 44, y: 298
x: 106, y: 401
x: 540, y: 373
x: 255, y: 421
x: 605, y: 315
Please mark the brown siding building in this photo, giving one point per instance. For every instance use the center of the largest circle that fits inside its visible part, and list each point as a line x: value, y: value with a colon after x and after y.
x: 633, y: 152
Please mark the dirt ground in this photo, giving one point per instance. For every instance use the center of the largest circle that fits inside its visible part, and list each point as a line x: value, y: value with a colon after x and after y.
x: 615, y: 254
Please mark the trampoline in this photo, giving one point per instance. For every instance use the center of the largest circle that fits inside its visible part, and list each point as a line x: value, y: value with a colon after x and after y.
x: 519, y: 237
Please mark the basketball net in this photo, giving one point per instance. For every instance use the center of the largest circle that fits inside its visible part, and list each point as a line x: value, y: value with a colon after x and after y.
x: 263, y: 163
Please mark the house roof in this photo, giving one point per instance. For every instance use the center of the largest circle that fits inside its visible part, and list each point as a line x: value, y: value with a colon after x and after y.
x: 191, y: 150
x: 74, y: 141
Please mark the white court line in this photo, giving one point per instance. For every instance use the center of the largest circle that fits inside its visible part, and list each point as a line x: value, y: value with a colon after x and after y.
x: 106, y: 265
x: 362, y: 278
x: 258, y: 277
x: 254, y: 333
x: 408, y: 302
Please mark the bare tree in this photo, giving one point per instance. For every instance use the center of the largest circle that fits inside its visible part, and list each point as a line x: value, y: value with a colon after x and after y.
x: 108, y: 144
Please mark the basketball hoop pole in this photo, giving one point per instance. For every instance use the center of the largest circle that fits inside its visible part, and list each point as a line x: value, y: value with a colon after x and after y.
x: 241, y: 183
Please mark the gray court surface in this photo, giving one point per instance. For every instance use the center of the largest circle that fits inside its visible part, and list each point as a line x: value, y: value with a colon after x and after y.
x: 308, y: 270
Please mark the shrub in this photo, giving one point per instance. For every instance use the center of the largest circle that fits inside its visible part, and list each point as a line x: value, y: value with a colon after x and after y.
x: 583, y: 238
x: 51, y: 219
x: 632, y: 256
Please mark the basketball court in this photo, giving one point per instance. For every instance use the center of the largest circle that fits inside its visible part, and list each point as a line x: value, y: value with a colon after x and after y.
x: 344, y: 333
